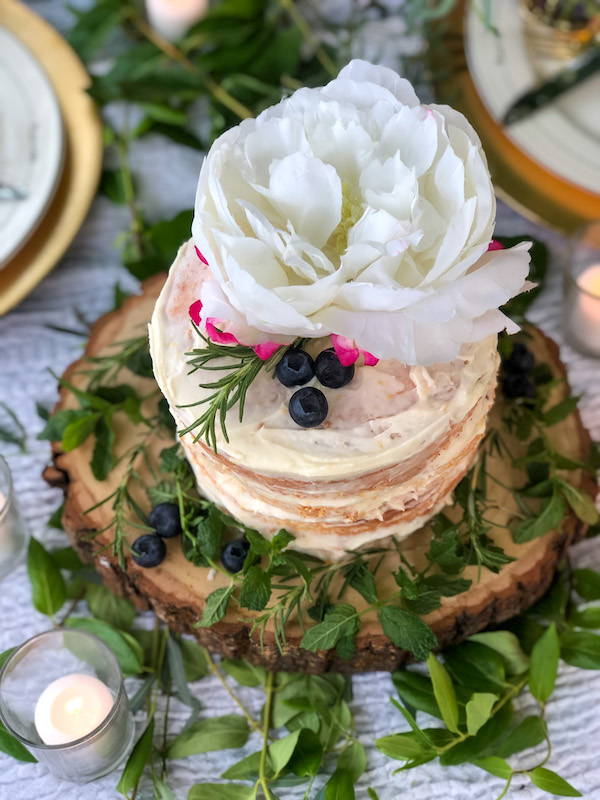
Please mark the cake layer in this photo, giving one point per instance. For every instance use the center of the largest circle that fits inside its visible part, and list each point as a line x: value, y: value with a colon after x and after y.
x: 396, y: 441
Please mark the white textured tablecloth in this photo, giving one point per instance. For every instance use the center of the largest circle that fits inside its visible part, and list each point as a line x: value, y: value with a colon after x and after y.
x: 83, y: 283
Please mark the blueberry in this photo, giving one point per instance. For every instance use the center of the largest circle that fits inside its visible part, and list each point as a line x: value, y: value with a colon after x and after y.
x: 234, y: 554
x: 331, y: 372
x: 521, y: 360
x: 518, y: 385
x: 308, y: 407
x: 165, y: 520
x: 149, y: 550
x: 295, y: 367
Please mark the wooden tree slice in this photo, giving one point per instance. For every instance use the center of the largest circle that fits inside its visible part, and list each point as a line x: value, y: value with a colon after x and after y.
x: 177, y: 590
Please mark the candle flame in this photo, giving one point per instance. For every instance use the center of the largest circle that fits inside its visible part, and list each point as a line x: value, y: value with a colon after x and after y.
x: 74, y: 705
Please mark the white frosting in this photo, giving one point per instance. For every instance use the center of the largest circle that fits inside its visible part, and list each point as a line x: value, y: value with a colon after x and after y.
x: 386, y: 415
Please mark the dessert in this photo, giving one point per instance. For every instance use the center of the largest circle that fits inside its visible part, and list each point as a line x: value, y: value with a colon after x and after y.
x: 352, y: 225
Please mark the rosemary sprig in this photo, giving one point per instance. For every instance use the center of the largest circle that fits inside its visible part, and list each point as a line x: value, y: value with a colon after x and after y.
x: 242, y: 365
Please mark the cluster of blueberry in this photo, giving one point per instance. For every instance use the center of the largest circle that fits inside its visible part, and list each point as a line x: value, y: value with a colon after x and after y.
x: 149, y: 550
x: 516, y: 376
x: 308, y: 406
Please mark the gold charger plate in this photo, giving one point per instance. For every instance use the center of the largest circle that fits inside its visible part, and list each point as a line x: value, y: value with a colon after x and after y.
x: 83, y: 154
x: 522, y: 183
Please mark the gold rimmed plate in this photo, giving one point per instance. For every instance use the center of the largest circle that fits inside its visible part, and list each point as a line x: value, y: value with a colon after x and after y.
x: 82, y: 154
x: 546, y: 166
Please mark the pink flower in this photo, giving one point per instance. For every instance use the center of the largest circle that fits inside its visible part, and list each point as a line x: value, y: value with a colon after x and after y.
x: 217, y: 336
x: 200, y: 256
x: 347, y: 351
x: 195, y: 310
x: 265, y: 350
x: 495, y: 245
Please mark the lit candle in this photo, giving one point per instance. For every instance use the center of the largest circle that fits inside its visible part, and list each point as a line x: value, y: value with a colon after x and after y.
x: 585, y: 312
x: 71, y: 707
x: 173, y: 18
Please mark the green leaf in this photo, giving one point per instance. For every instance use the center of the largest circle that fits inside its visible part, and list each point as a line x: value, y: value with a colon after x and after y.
x: 195, y: 660
x: 308, y: 755
x: 478, y: 710
x: 529, y: 733
x: 586, y: 583
x: 407, y: 631
x: 476, y: 667
x: 580, y: 649
x: 431, y: 590
x: 244, y: 673
x: 55, y: 520
x: 58, y: 423
x: 361, y: 580
x: 585, y: 618
x: 281, y: 750
x: 113, y: 187
x: 94, y: 25
x: 177, y: 673
x: 256, y: 589
x: 281, y: 539
x: 338, y: 622
x: 340, y: 786
x: 550, y: 782
x: 487, y: 735
x: 581, y: 503
x: 9, y: 435
x: 161, y: 112
x: 495, y: 766
x: 548, y: 518
x: 218, y: 733
x: 47, y: 583
x: 126, y: 649
x: 161, y: 789
x: 215, y: 606
x: 103, y: 459
x: 106, y: 606
x: 403, y: 747
x: 560, y: 411
x: 137, y: 760
x: 246, y: 769
x: 507, y: 645
x: 12, y: 747
x: 372, y: 794
x: 67, y: 558
x: 220, y: 791
x: 354, y: 760
x: 544, y: 664
x: 445, y: 695
x: 416, y: 691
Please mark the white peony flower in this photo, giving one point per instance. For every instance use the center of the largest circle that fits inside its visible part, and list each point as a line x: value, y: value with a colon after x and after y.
x: 353, y: 210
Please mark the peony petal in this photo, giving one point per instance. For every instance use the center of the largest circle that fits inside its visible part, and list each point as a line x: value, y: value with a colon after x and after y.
x: 200, y: 256
x: 195, y: 310
x: 265, y: 350
x: 219, y: 336
x: 345, y: 349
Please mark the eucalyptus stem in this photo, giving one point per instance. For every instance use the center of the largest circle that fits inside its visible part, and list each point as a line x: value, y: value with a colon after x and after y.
x: 216, y: 671
x: 175, y: 54
x: 262, y: 779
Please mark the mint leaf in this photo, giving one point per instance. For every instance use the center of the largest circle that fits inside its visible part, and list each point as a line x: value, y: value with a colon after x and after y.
x: 407, y: 631
x: 256, y: 589
x: 103, y: 459
x: 58, y: 423
x: 215, y: 606
x: 339, y: 621
x: 548, y: 518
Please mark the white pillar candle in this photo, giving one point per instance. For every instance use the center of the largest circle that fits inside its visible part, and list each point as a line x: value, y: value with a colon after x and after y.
x: 173, y: 18
x: 71, y: 707
x: 585, y: 315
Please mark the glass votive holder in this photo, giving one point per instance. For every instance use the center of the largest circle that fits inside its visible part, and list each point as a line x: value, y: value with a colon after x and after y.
x: 13, y: 534
x: 581, y: 318
x: 81, y: 660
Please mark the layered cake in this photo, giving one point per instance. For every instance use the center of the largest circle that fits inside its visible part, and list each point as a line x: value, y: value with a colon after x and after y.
x: 342, y: 248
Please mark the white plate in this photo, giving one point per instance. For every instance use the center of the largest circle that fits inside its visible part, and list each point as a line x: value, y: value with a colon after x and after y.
x: 32, y: 143
x: 564, y: 137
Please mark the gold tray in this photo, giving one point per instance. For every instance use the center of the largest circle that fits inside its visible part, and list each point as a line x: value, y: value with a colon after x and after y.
x: 83, y: 154
x: 522, y: 183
